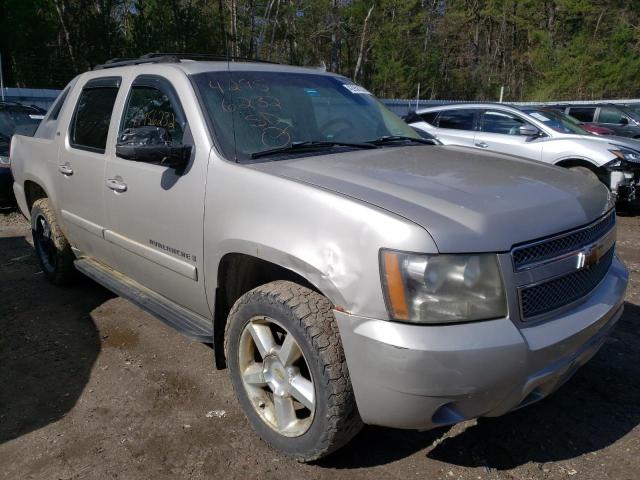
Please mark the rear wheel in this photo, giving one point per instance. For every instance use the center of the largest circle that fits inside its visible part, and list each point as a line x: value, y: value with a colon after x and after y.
x: 288, y: 370
x: 52, y: 248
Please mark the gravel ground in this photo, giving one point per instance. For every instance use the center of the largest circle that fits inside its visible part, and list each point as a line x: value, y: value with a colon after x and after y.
x: 92, y: 387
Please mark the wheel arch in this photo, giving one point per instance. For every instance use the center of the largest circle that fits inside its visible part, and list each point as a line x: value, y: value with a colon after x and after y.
x: 240, y: 272
x: 601, y: 172
x: 580, y: 162
x: 33, y: 190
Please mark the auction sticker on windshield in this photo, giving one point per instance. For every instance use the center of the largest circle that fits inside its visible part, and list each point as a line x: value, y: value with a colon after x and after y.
x: 356, y: 89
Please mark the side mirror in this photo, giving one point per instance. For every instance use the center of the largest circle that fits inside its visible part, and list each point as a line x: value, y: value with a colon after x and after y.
x: 412, y: 117
x: 623, y: 121
x: 528, y: 131
x: 153, y: 145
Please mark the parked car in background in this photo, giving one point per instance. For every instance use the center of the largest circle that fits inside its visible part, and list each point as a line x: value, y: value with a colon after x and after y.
x: 14, y: 118
x: 588, y: 126
x: 345, y: 269
x: 623, y: 120
x: 538, y: 133
x: 594, y: 127
x: 634, y: 107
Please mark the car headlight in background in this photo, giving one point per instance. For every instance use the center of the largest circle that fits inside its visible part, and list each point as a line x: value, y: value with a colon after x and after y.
x: 4, y: 162
x: 442, y: 288
x: 624, y: 155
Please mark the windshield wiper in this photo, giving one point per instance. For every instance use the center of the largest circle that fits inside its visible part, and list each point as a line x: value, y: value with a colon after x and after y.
x: 387, y: 139
x: 310, y: 145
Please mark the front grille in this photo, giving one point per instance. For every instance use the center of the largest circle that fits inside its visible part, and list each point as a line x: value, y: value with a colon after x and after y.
x: 559, y: 245
x: 553, y: 294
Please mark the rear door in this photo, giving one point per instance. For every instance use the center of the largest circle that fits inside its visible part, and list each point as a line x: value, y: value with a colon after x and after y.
x: 498, y: 131
x: 456, y: 126
x: 80, y: 164
x: 155, y: 213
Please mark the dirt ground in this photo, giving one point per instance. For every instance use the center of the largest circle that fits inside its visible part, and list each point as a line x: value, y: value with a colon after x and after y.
x: 92, y: 387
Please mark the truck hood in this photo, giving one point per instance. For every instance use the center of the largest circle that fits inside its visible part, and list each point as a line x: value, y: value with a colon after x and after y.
x: 468, y: 201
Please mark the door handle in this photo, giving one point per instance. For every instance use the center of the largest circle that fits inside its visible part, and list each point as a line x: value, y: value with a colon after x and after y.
x: 65, y: 169
x: 117, y: 185
x: 482, y: 145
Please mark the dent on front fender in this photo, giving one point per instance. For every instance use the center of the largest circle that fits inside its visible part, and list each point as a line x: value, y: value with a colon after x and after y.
x: 331, y: 240
x: 324, y: 280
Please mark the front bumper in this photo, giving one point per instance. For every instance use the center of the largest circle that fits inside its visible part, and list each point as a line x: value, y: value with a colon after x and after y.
x: 624, y: 184
x: 423, y: 376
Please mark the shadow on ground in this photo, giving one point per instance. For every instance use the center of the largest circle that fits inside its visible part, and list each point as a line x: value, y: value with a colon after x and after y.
x: 48, y: 341
x: 597, y: 407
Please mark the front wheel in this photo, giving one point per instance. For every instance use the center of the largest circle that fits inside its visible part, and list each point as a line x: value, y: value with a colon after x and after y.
x: 587, y: 172
x: 288, y: 370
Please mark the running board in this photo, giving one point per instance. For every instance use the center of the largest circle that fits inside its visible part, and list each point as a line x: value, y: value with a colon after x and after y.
x: 189, y: 324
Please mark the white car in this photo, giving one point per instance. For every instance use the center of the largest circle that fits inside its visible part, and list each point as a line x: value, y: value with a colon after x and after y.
x: 536, y: 133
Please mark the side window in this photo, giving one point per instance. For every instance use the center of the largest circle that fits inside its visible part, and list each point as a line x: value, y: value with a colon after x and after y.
x: 584, y: 114
x: 430, y: 117
x: 55, y: 110
x: 501, y: 122
x: 90, y: 123
x: 456, y: 119
x: 611, y: 115
x: 151, y: 106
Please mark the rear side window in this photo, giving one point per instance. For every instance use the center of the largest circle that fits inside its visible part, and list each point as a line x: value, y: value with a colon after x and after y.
x: 456, y: 119
x: 611, y: 115
x: 500, y: 122
x: 55, y: 110
x: 429, y: 117
x: 584, y: 114
x: 90, y: 123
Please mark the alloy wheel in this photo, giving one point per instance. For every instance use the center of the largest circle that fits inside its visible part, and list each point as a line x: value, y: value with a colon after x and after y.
x: 276, y: 376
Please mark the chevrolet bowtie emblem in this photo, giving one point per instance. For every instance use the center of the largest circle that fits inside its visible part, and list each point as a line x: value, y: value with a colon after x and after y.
x: 589, y: 256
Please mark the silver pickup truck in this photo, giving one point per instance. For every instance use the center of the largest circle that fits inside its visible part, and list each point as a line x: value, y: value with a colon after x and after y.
x: 345, y: 269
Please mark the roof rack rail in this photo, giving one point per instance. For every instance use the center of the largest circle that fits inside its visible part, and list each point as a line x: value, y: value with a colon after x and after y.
x: 208, y: 56
x: 149, y: 58
x: 173, y: 58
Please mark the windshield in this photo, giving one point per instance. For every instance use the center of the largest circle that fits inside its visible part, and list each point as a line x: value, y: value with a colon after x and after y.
x: 16, y: 119
x: 272, y: 110
x: 558, y: 121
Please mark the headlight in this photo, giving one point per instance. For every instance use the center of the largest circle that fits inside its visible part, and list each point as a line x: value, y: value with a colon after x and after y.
x: 624, y: 154
x: 442, y: 288
x: 4, y: 161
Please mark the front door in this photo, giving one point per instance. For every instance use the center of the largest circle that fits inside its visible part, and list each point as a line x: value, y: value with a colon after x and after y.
x: 80, y: 164
x: 500, y: 131
x: 155, y: 213
x: 456, y: 127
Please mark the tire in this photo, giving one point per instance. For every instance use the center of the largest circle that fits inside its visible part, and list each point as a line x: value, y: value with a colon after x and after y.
x: 585, y: 171
x: 307, y: 317
x: 52, y: 248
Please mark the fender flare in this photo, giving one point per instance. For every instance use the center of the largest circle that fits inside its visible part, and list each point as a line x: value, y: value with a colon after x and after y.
x: 323, y: 281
